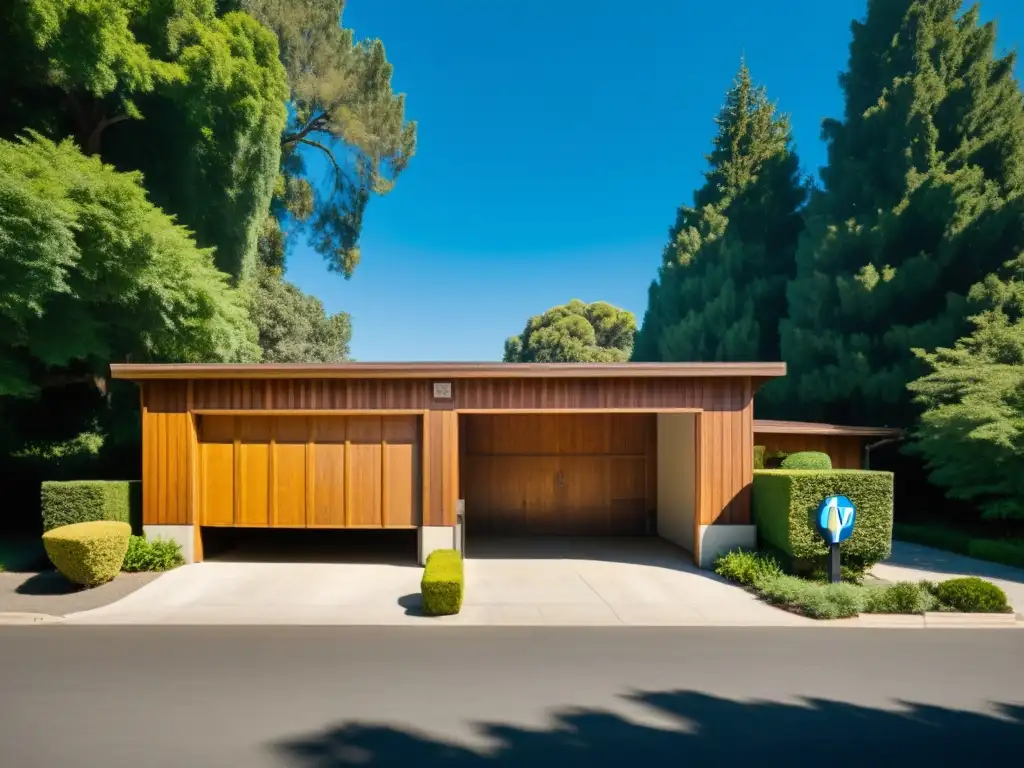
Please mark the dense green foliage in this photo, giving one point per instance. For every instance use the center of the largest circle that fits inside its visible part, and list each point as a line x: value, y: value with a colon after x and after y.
x: 155, y: 555
x: 759, y: 456
x: 443, y: 583
x: 293, y: 326
x: 904, y: 597
x: 1005, y: 551
x: 747, y: 567
x: 88, y: 554
x: 971, y: 435
x: 81, y: 501
x: 720, y: 290
x: 785, y: 503
x: 574, y: 333
x: 807, y: 460
x: 921, y: 201
x: 971, y: 594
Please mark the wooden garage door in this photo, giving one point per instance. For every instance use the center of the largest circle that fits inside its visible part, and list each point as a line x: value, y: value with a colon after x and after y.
x: 584, y: 474
x: 310, y: 472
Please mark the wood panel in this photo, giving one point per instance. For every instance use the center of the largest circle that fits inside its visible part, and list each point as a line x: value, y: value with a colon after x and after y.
x: 312, y: 394
x: 441, y: 467
x: 558, y: 473
x: 726, y: 475
x: 166, y: 467
x: 846, y: 451
x: 319, y: 472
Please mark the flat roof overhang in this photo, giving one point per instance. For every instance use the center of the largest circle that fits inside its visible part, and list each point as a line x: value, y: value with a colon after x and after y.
x: 759, y: 372
x: 765, y: 426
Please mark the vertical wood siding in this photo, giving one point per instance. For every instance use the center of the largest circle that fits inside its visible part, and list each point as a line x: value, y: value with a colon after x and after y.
x: 846, y: 451
x: 166, y: 431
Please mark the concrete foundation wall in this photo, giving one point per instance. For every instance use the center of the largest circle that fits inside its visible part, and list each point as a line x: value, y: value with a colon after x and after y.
x: 433, y: 537
x: 677, y: 477
x: 183, y: 534
x: 719, y: 539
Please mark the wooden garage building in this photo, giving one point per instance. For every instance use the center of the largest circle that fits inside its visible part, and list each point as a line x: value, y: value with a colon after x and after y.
x: 595, y: 449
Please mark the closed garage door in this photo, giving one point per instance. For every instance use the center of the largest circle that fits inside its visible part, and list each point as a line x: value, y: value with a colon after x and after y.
x: 310, y: 472
x: 583, y: 474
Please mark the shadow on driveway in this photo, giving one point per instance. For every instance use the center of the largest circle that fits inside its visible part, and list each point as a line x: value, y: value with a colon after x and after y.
x: 709, y: 731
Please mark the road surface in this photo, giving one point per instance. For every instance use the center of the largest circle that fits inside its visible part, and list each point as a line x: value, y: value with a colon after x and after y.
x: 420, y: 697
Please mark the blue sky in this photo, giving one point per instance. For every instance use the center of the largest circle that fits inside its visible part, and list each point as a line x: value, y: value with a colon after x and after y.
x: 556, y: 140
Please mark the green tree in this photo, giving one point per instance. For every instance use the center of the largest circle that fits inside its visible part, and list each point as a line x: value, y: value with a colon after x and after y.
x: 971, y: 434
x: 194, y: 101
x: 91, y: 271
x: 720, y: 291
x: 293, y: 326
x: 345, y: 111
x: 916, y: 208
x: 574, y: 333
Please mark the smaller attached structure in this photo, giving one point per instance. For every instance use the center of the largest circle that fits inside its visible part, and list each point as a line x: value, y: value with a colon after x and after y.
x: 846, y: 446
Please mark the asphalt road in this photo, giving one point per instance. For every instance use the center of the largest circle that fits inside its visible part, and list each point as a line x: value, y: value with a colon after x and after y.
x: 295, y: 696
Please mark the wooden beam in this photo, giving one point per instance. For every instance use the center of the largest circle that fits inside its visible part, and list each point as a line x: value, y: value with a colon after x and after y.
x: 310, y: 472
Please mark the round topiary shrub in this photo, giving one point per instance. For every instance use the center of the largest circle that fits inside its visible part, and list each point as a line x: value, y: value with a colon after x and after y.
x: 807, y: 460
x: 88, y: 553
x: 971, y: 594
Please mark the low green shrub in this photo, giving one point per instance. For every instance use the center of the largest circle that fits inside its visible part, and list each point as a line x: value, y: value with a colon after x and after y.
x: 155, y: 555
x: 971, y: 594
x: 758, y: 457
x: 88, y: 553
x: 807, y: 460
x: 904, y: 597
x: 82, y: 501
x: 817, y: 601
x: 747, y: 567
x: 443, y: 583
x: 785, y: 503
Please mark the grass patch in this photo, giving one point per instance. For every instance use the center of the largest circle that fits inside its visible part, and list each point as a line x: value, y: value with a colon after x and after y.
x: 1002, y: 551
x: 155, y: 555
x: 761, y: 574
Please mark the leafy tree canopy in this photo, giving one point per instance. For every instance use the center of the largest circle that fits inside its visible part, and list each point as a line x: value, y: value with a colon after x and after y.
x: 918, y: 205
x: 575, y: 333
x: 971, y: 434
x: 293, y: 326
x: 91, y: 271
x: 194, y: 101
x: 344, y: 109
x: 721, y: 288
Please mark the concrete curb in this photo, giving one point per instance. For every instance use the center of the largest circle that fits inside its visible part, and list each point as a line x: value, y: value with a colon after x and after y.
x: 937, y: 620
x: 21, y: 619
x: 971, y: 620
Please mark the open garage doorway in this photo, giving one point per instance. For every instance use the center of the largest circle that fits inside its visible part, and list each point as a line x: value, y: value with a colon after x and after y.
x: 595, y: 475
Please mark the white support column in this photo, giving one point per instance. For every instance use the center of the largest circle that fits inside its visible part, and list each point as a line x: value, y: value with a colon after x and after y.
x: 432, y: 537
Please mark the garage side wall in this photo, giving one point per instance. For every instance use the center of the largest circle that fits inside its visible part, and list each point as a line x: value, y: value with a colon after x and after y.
x: 677, y: 477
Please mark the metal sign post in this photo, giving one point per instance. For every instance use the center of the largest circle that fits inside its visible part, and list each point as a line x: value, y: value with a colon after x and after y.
x: 836, y: 517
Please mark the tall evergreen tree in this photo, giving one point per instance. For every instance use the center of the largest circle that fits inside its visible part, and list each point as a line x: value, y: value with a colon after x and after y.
x: 913, y: 211
x: 720, y: 290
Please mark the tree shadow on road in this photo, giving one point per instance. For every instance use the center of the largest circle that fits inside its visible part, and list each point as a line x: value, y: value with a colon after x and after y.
x: 710, y: 731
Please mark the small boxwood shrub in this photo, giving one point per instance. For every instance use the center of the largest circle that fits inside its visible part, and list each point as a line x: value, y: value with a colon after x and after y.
x: 785, y: 502
x: 807, y: 460
x: 155, y: 555
x: 88, y: 553
x: 902, y: 597
x: 971, y: 594
x: 82, y: 501
x: 746, y: 567
x: 442, y: 585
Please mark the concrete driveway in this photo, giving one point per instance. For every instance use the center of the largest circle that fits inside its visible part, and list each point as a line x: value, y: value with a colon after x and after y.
x: 531, y: 581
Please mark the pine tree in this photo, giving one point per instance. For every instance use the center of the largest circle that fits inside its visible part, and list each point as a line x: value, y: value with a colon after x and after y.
x: 913, y: 211
x: 720, y: 290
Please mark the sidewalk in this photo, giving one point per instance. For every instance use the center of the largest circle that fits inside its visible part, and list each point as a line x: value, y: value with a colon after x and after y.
x: 913, y: 562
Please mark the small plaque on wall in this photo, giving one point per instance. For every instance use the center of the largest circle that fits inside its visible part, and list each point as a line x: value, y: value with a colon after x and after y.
x: 442, y: 390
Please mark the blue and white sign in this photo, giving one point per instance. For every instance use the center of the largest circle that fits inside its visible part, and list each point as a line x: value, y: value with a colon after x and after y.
x: 836, y: 518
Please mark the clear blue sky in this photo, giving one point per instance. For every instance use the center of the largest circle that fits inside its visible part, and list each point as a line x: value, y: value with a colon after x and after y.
x: 556, y: 140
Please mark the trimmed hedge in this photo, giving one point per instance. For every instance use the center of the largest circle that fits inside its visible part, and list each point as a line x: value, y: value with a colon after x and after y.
x: 807, y: 460
x: 785, y: 502
x: 83, y: 501
x: 443, y: 583
x: 971, y: 594
x: 88, y: 553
